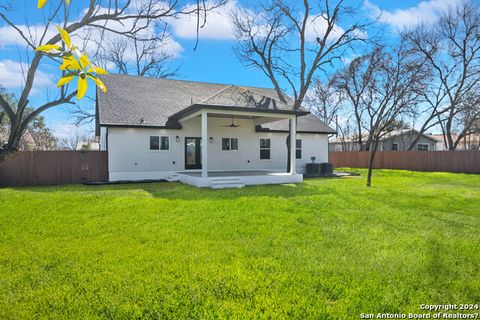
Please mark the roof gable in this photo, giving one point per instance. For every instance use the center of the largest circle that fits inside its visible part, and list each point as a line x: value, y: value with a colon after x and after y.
x: 236, y: 96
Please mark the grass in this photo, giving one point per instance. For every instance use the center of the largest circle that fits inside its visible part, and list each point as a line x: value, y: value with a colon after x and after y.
x: 324, y: 249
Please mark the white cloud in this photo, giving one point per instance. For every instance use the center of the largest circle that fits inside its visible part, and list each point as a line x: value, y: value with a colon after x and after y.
x: 347, y: 59
x: 12, y: 76
x: 427, y: 11
x: 96, y: 37
x: 63, y: 130
x: 219, y: 25
x: 317, y: 26
x: 10, y: 36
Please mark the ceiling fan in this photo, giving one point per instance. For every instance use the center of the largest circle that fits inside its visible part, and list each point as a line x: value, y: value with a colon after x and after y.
x: 232, y: 125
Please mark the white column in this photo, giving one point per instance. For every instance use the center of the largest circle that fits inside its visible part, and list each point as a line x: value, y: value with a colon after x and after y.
x: 204, y: 145
x: 293, y: 143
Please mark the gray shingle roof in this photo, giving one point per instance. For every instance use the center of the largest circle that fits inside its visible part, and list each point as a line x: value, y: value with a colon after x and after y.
x: 307, y: 123
x: 129, y: 99
x: 244, y: 97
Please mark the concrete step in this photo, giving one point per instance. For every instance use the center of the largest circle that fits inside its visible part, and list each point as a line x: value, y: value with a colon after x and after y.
x: 227, y: 185
x: 173, y: 177
x: 222, y: 183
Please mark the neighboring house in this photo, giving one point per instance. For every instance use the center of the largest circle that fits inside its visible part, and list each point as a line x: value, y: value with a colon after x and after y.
x: 469, y: 142
x: 397, y: 140
x: 27, y: 142
x: 204, y: 134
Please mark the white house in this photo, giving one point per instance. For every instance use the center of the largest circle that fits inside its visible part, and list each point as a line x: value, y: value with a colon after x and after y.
x: 204, y: 134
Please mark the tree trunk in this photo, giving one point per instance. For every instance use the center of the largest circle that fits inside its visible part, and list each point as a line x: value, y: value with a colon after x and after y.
x: 367, y: 146
x: 11, y: 147
x: 448, y: 128
x: 373, y: 151
x: 6, y: 154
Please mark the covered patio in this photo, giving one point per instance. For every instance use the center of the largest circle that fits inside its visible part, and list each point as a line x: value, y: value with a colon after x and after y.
x: 209, y: 176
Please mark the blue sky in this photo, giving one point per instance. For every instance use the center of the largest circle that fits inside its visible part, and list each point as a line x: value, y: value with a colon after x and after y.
x: 213, y: 61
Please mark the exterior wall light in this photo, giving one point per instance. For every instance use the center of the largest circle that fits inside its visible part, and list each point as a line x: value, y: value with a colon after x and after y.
x: 211, y: 139
x: 177, y: 138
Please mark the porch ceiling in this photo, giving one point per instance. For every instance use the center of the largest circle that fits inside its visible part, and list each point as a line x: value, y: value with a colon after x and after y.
x: 262, y: 116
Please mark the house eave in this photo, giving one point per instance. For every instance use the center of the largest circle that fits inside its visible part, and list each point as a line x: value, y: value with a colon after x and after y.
x: 198, y: 106
x: 140, y: 126
x: 257, y: 129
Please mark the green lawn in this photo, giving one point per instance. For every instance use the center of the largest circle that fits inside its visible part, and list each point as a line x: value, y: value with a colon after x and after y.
x: 324, y: 249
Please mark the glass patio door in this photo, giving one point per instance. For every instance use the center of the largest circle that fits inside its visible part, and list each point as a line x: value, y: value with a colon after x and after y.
x: 193, y: 153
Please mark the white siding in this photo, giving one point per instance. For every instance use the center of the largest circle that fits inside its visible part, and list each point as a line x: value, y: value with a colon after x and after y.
x: 103, y: 138
x: 130, y: 157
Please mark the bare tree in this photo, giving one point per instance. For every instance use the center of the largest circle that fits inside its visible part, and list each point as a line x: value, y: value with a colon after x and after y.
x: 139, y: 56
x: 72, y: 141
x: 355, y: 82
x: 83, y: 112
x: 102, y: 16
x: 395, y: 78
x: 452, y: 50
x: 301, y: 31
x: 325, y: 100
x: 146, y: 55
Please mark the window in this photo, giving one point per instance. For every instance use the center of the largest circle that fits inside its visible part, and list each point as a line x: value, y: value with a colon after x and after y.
x: 264, y: 149
x: 230, y: 144
x: 159, y: 143
x: 395, y: 147
x: 422, y: 147
x: 298, y: 149
x: 164, y: 143
x: 154, y: 143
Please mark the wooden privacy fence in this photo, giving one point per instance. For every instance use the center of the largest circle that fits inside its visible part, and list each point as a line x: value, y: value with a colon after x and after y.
x: 446, y: 161
x: 31, y: 168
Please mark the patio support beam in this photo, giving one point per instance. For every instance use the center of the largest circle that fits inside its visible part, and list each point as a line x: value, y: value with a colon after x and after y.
x: 204, y: 144
x: 293, y: 144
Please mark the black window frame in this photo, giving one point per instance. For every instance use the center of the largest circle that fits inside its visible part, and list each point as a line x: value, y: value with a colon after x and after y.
x: 265, y: 149
x: 396, y: 145
x: 154, y: 143
x: 164, y: 143
x: 228, y: 144
x: 159, y: 143
x: 298, y: 149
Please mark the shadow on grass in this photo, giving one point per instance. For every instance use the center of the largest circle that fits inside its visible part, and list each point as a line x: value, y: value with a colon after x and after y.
x: 177, y: 190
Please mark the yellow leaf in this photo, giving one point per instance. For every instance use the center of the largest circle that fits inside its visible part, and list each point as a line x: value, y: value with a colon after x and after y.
x: 65, y: 37
x: 98, y: 82
x: 70, y: 64
x: 48, y: 47
x: 100, y: 70
x: 41, y: 3
x: 63, y: 81
x: 82, y: 87
x: 84, y: 61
